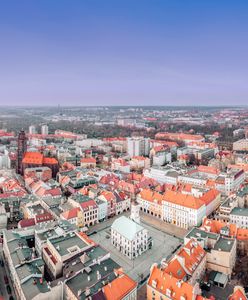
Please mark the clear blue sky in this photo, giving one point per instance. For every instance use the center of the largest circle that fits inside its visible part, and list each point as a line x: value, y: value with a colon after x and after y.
x: 116, y: 52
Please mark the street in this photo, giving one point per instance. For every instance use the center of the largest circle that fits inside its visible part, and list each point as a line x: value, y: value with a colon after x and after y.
x: 3, y: 285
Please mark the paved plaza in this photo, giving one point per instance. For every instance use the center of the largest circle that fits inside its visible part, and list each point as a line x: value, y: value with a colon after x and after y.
x: 139, y: 268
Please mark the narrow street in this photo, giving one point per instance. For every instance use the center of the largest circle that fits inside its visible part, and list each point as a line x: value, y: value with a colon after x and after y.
x: 3, y: 291
x: 3, y: 285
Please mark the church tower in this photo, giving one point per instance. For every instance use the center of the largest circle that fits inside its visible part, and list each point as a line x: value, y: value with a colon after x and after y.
x: 21, y: 149
x: 135, y: 210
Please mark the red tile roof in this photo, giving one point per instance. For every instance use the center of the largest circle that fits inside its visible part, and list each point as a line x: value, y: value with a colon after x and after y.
x: 87, y: 204
x: 43, y: 217
x: 238, y: 294
x: 26, y: 223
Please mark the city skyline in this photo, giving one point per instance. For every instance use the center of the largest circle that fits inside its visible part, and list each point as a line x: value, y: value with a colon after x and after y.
x: 106, y: 53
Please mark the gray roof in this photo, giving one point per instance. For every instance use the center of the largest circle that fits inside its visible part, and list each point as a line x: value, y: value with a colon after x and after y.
x: 240, y: 212
x: 126, y: 227
x: 32, y: 290
x: 64, y: 243
x: 80, y: 282
x: 224, y: 244
x: 243, y: 192
x: 201, y: 234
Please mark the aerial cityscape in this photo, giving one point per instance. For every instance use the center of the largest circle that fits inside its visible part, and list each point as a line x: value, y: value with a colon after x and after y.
x: 123, y: 150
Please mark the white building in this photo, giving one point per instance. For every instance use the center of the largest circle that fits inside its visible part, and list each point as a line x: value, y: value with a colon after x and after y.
x: 102, y: 209
x: 130, y: 238
x: 241, y: 145
x: 3, y: 217
x: 120, y: 165
x: 239, y: 216
x: 44, y: 129
x: 138, y: 146
x: 5, y: 160
x: 32, y: 129
x: 162, y: 174
x: 182, y: 210
x: 231, y: 181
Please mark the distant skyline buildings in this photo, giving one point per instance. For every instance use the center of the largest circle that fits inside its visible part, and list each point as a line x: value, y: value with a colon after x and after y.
x: 124, y: 52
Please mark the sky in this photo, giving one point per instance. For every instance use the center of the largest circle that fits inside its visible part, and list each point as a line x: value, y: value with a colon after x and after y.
x: 124, y: 52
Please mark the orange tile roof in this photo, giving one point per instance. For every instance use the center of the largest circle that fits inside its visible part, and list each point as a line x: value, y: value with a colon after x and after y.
x: 193, y: 254
x: 203, y: 144
x: 109, y: 196
x: 134, y: 176
x: 127, y: 186
x: 183, y: 200
x: 209, y: 196
x: 161, y: 281
x: 50, y: 161
x: 85, y: 237
x: 119, y: 287
x: 151, y: 196
x: 242, y: 234
x: 179, y: 136
x: 38, y: 159
x: 208, y: 169
x: 33, y: 158
x: 233, y: 230
x: 175, y: 269
x: 159, y: 148
x: 88, y: 160
x: 214, y: 226
x: 70, y: 214
x: 139, y: 158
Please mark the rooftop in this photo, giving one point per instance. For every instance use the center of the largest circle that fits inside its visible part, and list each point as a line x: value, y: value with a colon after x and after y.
x: 68, y: 243
x: 201, y: 234
x: 126, y: 227
x: 240, y: 212
x: 224, y: 244
x: 88, y: 278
